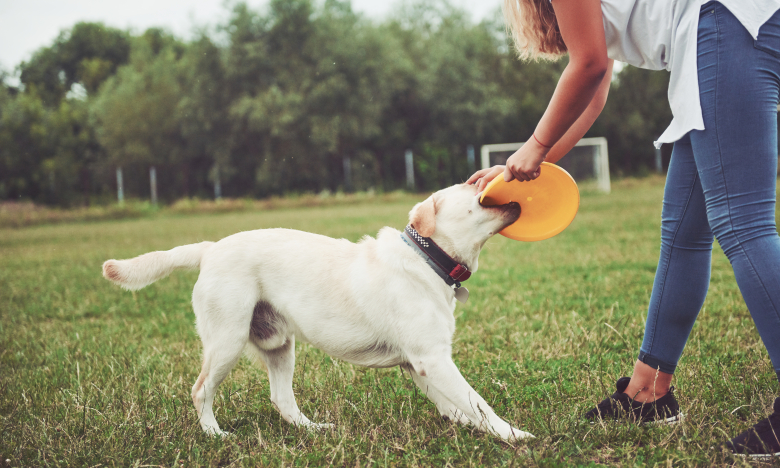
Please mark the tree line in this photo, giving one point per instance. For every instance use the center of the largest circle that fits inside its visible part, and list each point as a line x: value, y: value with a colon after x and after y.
x: 301, y: 96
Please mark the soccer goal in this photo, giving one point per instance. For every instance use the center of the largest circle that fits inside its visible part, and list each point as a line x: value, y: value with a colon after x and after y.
x: 588, y: 159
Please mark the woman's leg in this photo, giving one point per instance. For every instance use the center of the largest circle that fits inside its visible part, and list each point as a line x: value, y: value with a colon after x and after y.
x: 732, y: 165
x: 736, y: 158
x: 681, y: 279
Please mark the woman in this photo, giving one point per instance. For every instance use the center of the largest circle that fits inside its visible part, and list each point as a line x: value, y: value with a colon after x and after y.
x: 724, y: 59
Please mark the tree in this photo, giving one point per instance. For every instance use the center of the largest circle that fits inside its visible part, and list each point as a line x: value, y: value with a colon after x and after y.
x: 23, y: 145
x: 137, y: 112
x: 203, y: 110
x: 293, y: 97
x: 636, y: 113
x: 87, y: 55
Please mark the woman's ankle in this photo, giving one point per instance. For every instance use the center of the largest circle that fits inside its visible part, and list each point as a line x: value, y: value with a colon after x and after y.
x: 645, y: 394
x: 647, y: 384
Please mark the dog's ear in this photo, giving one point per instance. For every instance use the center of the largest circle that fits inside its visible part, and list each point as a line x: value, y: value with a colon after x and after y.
x: 423, y: 217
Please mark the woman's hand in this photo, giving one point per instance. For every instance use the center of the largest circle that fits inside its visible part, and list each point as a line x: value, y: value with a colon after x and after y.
x: 525, y: 163
x: 483, y: 177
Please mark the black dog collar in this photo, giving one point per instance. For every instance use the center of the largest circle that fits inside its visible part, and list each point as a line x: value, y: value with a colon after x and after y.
x: 445, y: 266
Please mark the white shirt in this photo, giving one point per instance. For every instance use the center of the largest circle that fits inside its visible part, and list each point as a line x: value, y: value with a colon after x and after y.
x: 662, y: 34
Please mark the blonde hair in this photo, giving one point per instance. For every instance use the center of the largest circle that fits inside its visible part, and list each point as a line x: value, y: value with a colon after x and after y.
x: 534, y: 29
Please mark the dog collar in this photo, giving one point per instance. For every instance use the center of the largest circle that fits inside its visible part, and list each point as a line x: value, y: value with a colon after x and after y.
x: 445, y: 266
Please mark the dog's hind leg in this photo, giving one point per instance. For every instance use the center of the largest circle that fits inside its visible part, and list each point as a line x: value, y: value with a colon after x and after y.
x: 281, y: 365
x: 218, y: 360
x: 224, y: 330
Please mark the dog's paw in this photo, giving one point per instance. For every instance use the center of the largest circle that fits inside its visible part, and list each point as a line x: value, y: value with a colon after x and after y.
x: 517, y: 434
x: 217, y: 432
x: 319, y: 426
x: 303, y: 421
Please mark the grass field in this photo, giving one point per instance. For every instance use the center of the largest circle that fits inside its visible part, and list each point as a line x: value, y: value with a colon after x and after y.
x: 91, y: 375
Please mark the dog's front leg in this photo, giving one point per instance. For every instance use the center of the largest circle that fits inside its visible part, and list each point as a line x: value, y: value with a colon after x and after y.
x: 446, y: 409
x: 443, y: 383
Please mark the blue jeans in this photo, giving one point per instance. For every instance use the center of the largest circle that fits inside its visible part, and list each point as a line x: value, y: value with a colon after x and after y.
x: 721, y: 182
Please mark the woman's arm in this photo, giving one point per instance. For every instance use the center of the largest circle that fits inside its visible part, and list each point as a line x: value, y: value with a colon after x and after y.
x: 586, y: 75
x: 582, y: 29
x: 585, y: 121
x: 567, y: 141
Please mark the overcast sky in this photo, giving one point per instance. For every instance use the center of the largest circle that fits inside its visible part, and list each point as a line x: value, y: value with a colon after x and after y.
x: 26, y: 25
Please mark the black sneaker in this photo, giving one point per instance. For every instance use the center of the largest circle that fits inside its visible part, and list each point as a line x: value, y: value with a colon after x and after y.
x: 664, y: 410
x: 761, y: 440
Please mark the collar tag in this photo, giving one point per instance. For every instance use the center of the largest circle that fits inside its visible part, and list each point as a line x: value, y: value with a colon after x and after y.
x: 462, y: 294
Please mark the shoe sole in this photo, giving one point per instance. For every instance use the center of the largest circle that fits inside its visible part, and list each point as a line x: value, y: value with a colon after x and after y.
x: 757, y: 456
x: 671, y: 421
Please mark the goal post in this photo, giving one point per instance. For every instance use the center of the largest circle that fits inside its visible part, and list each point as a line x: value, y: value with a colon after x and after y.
x: 589, y: 159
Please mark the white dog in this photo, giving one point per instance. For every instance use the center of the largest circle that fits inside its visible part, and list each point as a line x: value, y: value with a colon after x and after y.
x: 381, y: 302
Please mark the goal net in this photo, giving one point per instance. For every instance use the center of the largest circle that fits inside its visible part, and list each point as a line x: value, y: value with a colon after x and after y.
x: 588, y: 160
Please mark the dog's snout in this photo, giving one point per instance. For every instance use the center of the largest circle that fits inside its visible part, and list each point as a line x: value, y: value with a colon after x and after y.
x: 509, y: 212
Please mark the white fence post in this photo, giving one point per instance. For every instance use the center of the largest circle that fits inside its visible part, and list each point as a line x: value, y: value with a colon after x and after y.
x: 409, y: 169
x: 347, y: 163
x: 470, y: 158
x: 217, y: 184
x: 153, y: 184
x: 120, y: 187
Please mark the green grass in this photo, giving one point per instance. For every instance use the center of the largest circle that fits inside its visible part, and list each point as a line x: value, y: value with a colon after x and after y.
x: 20, y: 214
x: 93, y: 375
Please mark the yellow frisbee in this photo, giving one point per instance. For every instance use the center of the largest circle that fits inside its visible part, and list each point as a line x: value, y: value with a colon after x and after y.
x: 548, y: 203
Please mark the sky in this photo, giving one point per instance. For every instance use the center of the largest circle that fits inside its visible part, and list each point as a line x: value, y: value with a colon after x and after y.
x: 27, y: 25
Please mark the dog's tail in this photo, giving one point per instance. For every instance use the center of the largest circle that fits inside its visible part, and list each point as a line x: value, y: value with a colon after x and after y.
x: 145, y: 269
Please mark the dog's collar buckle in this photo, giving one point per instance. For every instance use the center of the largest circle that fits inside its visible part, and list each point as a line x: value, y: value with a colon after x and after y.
x: 460, y: 273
